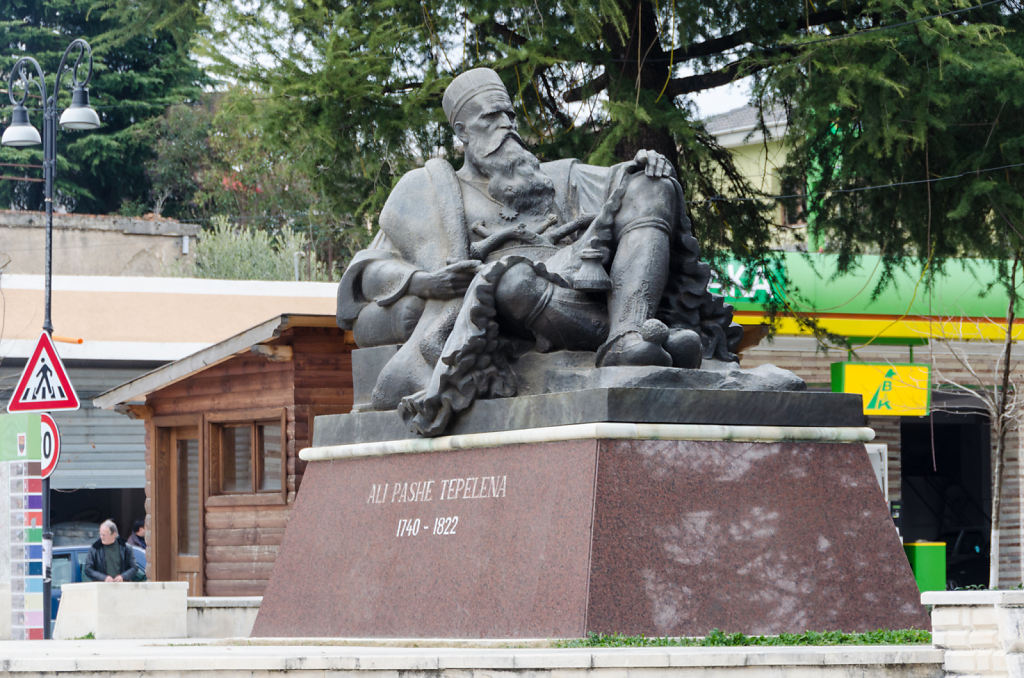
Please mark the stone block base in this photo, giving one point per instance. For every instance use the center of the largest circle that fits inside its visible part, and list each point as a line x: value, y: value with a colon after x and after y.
x: 563, y: 537
x: 222, y: 616
x: 122, y: 610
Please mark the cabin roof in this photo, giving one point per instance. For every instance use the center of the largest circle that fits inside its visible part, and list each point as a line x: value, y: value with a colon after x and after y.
x: 134, y: 392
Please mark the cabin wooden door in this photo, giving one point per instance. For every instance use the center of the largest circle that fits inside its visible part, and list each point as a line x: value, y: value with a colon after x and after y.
x: 186, y: 497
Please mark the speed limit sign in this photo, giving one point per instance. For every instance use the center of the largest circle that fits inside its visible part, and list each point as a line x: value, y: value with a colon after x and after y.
x: 50, y: 444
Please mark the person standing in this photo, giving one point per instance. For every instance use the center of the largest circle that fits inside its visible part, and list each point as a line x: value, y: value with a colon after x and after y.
x: 138, y: 535
x: 110, y: 558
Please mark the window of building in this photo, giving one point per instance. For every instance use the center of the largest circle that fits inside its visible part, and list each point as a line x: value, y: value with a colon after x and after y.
x: 247, y: 457
x: 793, y: 204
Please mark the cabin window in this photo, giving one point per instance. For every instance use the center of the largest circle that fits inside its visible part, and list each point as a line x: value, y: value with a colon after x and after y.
x: 248, y: 457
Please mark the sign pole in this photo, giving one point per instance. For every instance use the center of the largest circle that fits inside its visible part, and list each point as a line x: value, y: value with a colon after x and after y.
x: 47, y: 563
x: 49, y: 455
x: 49, y: 163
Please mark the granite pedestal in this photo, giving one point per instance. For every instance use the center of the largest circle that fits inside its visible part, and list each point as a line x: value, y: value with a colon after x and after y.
x: 660, y: 529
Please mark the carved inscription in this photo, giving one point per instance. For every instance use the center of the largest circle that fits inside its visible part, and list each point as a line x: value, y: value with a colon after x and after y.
x: 435, y: 490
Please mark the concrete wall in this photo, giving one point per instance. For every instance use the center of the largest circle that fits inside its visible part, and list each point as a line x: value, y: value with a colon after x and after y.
x: 92, y: 244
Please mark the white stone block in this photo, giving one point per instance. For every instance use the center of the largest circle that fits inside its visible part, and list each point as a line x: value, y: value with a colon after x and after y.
x: 982, y: 617
x: 222, y: 617
x: 946, y: 618
x: 984, y: 639
x: 1011, y: 628
x: 122, y: 610
x: 963, y: 661
x: 958, y: 639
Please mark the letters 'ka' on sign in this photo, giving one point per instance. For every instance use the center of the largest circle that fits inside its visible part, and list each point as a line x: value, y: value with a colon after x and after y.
x: 899, y: 389
x: 44, y: 384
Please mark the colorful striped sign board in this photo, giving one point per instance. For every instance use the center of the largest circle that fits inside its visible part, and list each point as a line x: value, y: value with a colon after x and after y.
x: 22, y: 535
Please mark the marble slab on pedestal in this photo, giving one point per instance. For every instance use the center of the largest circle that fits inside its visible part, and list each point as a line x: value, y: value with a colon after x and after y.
x: 564, y: 388
x: 617, y: 404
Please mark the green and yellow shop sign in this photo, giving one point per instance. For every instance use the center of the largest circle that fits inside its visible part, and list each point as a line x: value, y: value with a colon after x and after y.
x: 897, y: 389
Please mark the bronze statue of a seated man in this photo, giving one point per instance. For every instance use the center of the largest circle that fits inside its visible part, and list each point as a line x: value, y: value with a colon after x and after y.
x: 470, y: 269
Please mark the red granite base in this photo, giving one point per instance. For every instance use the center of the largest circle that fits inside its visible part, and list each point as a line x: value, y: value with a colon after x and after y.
x: 563, y: 538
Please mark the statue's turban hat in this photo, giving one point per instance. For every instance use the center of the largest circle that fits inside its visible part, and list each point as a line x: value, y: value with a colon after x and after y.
x: 465, y: 87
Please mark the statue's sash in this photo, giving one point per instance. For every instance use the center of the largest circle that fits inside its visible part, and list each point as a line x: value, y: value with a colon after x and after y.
x: 448, y: 194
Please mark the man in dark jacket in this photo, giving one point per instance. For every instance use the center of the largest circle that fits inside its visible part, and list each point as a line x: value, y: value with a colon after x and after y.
x: 110, y: 558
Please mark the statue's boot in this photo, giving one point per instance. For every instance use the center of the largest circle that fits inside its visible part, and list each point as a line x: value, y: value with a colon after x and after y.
x: 638, y: 272
x: 637, y: 347
x: 685, y: 348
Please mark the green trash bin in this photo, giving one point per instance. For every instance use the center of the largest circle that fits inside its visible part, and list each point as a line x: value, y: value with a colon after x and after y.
x: 928, y: 561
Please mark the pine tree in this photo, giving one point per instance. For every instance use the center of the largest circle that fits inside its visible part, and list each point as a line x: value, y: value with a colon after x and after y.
x: 931, y: 110
x: 901, y: 90
x: 351, y: 89
x: 136, y: 76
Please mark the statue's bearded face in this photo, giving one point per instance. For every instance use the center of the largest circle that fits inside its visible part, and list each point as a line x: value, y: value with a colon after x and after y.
x: 497, y: 151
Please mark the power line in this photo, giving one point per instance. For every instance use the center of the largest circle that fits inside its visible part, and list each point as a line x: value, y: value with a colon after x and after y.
x: 860, y: 189
x: 886, y: 27
x: 844, y: 36
x: 9, y: 177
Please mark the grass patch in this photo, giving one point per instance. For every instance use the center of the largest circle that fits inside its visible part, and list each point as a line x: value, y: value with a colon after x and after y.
x: 717, y: 638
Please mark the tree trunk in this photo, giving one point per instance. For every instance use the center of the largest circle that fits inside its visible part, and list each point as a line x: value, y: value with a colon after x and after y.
x: 997, y: 493
x: 1000, y: 423
x: 640, y: 65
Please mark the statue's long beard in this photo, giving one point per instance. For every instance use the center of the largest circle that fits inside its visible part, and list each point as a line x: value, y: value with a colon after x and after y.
x: 515, y: 177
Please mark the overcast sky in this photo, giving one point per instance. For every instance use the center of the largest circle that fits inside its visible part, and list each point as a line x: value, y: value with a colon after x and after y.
x: 722, y: 99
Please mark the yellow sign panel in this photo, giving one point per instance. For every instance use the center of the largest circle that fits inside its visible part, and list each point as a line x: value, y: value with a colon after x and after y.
x: 888, y: 389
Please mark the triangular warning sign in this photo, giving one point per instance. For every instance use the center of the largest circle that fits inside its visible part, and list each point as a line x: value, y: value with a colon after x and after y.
x: 44, y: 384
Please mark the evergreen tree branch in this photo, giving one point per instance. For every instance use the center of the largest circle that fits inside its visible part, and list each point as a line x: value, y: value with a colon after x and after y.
x: 549, y: 102
x: 512, y: 37
x: 722, y: 76
x: 747, y: 35
x: 587, y: 89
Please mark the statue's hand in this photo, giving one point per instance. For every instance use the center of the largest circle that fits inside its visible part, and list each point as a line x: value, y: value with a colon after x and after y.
x: 655, y: 164
x: 446, y: 283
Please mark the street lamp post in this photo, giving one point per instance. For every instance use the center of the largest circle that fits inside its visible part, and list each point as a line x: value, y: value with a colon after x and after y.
x: 20, y: 133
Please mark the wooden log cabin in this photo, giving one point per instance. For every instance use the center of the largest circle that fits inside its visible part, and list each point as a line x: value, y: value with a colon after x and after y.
x: 223, y: 430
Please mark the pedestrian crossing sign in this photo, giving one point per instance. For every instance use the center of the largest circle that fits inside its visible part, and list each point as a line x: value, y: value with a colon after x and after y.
x: 44, y: 384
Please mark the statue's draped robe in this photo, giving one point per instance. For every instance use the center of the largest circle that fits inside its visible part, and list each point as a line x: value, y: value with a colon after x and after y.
x: 423, y: 227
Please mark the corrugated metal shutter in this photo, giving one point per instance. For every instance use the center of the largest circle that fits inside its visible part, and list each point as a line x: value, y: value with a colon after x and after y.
x: 100, y: 449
